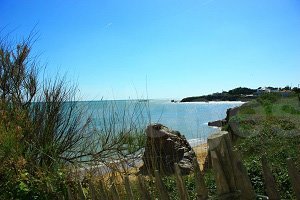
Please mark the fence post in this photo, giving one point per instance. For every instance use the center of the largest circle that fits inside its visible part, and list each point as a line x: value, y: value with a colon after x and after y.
x: 102, y: 190
x: 270, y: 182
x: 143, y: 190
x: 81, y: 193
x: 180, y: 184
x: 161, y: 187
x: 70, y: 194
x: 202, y: 192
x: 93, y: 191
x: 294, y: 177
x: 220, y: 149
x: 114, y: 192
x: 242, y: 179
x: 128, y: 188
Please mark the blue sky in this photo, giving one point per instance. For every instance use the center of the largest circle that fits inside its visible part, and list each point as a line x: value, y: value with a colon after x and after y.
x: 162, y: 48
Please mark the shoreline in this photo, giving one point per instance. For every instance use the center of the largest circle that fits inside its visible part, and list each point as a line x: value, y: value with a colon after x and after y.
x: 212, y: 102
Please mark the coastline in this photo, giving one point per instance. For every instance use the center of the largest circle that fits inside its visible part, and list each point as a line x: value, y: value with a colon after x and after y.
x: 199, y: 145
x: 212, y: 102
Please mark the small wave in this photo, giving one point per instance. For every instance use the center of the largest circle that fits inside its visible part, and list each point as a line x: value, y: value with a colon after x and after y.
x: 215, y: 127
x: 226, y: 102
x: 214, y: 102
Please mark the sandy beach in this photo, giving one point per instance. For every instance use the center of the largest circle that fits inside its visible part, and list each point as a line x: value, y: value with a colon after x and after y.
x: 201, y: 153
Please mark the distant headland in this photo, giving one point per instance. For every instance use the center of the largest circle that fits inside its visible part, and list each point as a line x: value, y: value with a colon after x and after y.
x: 239, y: 94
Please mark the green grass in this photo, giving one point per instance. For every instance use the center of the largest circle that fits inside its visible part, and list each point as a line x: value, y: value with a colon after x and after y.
x: 283, y: 116
x: 270, y: 126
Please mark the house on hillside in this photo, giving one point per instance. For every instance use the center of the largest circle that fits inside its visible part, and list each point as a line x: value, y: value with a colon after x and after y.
x: 263, y: 90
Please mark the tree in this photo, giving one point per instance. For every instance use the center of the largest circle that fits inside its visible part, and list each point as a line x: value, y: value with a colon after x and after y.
x: 241, y: 90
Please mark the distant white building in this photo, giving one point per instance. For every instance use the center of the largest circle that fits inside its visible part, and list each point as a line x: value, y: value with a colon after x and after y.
x: 266, y: 90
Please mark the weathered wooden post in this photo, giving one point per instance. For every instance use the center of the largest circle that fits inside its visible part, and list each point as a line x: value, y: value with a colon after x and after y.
x: 143, y: 190
x: 103, y: 191
x: 80, y: 191
x: 222, y: 165
x: 242, y: 179
x: 70, y: 194
x: 180, y: 184
x: 128, y: 188
x: 202, y: 192
x: 294, y: 177
x: 114, y: 192
x: 270, y: 183
x: 93, y: 191
x: 232, y: 180
x: 161, y: 187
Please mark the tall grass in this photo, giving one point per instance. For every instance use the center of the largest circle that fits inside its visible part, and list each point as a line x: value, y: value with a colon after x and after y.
x: 44, y: 133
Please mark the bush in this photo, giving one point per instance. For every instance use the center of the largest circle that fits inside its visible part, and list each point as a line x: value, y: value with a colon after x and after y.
x: 277, y: 148
x: 247, y: 110
x: 268, y: 98
x: 290, y: 109
x: 43, y: 131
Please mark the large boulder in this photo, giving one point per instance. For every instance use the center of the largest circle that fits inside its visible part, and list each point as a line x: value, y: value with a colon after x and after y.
x: 164, y: 148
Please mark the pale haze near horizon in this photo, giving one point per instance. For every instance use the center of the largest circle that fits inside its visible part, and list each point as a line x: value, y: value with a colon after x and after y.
x: 161, y: 48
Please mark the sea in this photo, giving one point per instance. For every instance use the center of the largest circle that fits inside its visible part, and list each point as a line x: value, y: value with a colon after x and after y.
x: 189, y: 118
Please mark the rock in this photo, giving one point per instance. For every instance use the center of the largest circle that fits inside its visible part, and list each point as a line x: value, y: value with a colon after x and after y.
x: 233, y: 127
x: 163, y: 149
x: 231, y: 112
x: 218, y: 123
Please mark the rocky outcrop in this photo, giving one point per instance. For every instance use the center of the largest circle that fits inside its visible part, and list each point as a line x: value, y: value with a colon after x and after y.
x: 218, y: 123
x: 232, y: 126
x: 231, y: 112
x: 164, y: 148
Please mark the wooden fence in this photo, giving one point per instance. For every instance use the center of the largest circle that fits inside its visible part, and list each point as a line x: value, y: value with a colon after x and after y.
x: 232, y: 181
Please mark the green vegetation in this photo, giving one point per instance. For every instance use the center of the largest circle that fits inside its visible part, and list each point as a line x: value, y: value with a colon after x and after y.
x: 47, y: 140
x: 45, y: 136
x: 237, y: 94
x: 270, y: 126
x: 243, y: 94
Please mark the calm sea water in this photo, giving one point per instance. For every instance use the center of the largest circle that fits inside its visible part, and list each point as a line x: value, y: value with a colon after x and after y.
x: 189, y: 118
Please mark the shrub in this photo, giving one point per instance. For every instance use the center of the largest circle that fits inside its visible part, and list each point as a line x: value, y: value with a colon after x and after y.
x: 43, y: 131
x: 277, y: 148
x: 247, y: 110
x: 268, y: 98
x: 290, y: 109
